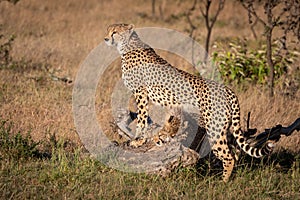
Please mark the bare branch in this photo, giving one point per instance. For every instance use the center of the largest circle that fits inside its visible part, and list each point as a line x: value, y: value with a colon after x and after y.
x: 202, y: 12
x: 274, y: 134
x: 210, y: 21
x: 252, y: 28
x: 153, y: 8
x: 188, y: 14
x: 249, y: 132
x: 248, y: 5
x: 220, y: 8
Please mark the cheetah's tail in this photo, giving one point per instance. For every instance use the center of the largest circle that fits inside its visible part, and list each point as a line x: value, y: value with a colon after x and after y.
x: 238, y: 134
x: 252, y: 151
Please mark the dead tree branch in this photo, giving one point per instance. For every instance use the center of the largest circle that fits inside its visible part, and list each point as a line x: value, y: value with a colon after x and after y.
x: 273, y: 134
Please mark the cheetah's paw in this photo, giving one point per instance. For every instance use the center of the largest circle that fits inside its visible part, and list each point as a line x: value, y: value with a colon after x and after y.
x: 137, y: 142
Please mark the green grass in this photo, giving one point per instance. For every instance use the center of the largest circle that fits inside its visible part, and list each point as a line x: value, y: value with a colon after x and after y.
x: 71, y: 174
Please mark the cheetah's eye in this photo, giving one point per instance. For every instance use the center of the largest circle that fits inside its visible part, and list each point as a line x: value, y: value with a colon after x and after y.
x: 113, y: 33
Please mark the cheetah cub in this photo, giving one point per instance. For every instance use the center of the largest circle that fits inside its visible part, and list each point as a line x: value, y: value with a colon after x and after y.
x: 150, y: 77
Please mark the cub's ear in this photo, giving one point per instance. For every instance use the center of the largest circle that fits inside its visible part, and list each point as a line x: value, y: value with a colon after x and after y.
x: 130, y: 27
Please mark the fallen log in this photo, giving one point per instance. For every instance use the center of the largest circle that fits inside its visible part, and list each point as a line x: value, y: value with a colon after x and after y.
x: 176, y: 153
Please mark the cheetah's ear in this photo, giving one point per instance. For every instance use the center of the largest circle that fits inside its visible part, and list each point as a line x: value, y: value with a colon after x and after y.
x: 130, y: 27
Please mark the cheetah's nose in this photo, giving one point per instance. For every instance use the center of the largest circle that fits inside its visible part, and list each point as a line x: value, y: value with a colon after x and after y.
x: 106, y: 39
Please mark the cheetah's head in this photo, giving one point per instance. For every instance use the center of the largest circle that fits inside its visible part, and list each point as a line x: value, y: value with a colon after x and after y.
x: 118, y: 34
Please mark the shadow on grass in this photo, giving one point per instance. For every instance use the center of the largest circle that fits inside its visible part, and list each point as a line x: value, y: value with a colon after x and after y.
x: 17, y: 146
x: 281, y: 160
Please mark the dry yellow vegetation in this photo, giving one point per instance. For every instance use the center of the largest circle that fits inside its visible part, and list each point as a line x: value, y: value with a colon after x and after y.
x: 56, y: 36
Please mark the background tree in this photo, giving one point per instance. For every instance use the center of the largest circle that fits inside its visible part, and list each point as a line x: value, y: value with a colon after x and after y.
x: 287, y: 18
x: 161, y: 5
x: 11, y: 1
x: 210, y: 19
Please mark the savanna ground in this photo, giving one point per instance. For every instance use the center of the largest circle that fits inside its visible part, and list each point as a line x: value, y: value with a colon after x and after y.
x: 52, y: 39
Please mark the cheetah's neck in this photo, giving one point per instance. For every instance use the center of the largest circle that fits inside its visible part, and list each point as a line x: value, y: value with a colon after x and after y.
x: 133, y: 43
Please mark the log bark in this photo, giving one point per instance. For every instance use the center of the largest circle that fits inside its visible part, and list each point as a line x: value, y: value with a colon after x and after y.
x: 178, y: 153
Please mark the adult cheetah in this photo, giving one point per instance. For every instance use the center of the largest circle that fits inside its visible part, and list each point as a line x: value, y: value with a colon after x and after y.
x: 150, y: 77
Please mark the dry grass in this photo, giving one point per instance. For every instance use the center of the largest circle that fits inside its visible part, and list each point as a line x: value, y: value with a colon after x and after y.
x: 266, y: 113
x: 62, y: 33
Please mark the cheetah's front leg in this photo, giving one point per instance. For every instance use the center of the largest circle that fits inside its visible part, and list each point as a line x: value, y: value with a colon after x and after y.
x: 141, y: 98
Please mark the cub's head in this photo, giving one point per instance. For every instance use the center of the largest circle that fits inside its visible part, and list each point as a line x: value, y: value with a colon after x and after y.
x: 117, y: 34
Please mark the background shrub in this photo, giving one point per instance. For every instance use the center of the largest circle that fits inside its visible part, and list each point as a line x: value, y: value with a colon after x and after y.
x: 239, y: 64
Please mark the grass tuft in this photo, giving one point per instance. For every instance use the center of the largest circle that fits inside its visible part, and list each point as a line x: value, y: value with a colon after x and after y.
x: 15, y: 147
